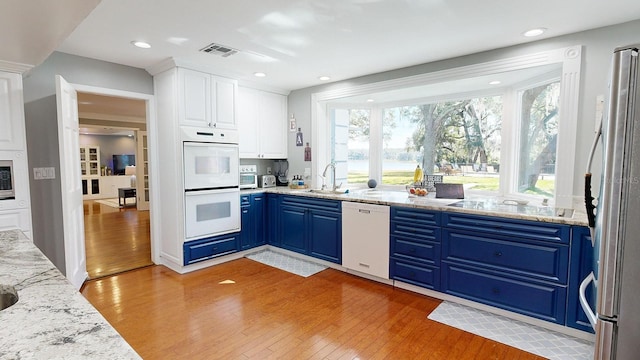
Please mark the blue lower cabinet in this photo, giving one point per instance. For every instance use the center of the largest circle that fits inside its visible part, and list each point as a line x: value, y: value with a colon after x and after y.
x: 541, y: 300
x: 204, y: 249
x: 252, y: 210
x: 415, y: 273
x: 293, y: 228
x: 272, y: 218
x: 325, y: 235
x: 581, y: 266
x: 310, y: 226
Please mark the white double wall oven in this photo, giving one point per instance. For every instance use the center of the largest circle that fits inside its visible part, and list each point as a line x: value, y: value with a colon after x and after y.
x: 211, y: 182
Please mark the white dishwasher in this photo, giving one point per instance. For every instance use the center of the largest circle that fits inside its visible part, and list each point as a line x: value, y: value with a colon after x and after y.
x: 365, y: 238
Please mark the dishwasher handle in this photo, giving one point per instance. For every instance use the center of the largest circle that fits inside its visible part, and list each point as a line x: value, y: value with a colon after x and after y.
x: 363, y: 211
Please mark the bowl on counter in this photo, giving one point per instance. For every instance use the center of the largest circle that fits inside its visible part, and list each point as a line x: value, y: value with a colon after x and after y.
x: 415, y: 190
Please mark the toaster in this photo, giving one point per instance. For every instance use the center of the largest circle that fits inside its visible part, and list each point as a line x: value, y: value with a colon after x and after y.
x: 266, y: 181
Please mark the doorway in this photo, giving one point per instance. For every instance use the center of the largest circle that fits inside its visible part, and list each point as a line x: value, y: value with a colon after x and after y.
x: 112, y: 130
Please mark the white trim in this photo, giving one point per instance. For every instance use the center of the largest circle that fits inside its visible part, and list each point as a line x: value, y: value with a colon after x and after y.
x: 14, y: 67
x: 154, y: 174
x: 569, y: 57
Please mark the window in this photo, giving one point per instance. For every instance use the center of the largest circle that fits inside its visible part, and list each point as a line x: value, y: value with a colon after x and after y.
x: 538, y: 139
x: 500, y: 139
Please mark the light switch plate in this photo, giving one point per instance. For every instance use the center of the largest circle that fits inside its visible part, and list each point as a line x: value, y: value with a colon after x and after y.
x: 44, y: 173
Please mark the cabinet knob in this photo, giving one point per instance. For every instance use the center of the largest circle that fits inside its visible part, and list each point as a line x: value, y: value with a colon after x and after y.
x: 412, y: 250
x: 496, y: 291
x: 497, y: 253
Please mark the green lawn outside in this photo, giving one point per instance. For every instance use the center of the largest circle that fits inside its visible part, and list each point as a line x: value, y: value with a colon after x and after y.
x: 487, y: 183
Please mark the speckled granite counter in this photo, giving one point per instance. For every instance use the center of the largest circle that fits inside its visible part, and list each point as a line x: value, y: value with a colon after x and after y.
x: 491, y: 206
x: 51, y: 320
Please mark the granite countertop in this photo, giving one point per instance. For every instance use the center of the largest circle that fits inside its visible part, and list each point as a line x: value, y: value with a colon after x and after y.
x: 51, y: 319
x: 478, y: 205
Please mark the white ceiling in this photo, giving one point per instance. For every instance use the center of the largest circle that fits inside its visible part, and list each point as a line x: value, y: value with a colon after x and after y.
x: 30, y: 30
x: 293, y: 41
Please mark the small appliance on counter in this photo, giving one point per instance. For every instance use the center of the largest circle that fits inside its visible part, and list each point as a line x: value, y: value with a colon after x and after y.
x: 266, y: 181
x: 248, y: 176
x: 281, y: 169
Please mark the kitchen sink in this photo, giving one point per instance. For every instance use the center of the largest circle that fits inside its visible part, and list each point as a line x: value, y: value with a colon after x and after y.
x: 327, y: 191
x: 8, y: 296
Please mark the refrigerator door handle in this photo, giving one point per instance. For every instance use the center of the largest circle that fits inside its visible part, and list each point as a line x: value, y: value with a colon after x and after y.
x: 583, y: 299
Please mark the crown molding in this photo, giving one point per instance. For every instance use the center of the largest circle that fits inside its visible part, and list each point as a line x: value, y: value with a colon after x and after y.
x: 14, y: 67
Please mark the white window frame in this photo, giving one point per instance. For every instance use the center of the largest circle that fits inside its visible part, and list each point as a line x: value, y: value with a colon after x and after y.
x: 569, y: 58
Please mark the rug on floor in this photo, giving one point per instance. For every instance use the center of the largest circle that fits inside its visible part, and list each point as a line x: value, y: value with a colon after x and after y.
x: 518, y: 334
x: 109, y: 202
x: 287, y: 263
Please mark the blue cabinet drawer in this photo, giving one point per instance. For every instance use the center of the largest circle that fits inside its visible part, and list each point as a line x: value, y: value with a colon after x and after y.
x: 420, y: 275
x: 205, y: 249
x: 415, y: 217
x: 311, y: 203
x: 540, y: 300
x: 245, y: 199
x: 407, y: 248
x: 518, y: 229
x: 416, y: 231
x: 543, y: 261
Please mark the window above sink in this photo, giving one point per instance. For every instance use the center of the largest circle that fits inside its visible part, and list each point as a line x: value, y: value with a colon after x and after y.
x: 498, y: 138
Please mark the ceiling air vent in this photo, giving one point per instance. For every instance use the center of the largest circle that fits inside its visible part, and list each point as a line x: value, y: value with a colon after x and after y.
x: 218, y: 49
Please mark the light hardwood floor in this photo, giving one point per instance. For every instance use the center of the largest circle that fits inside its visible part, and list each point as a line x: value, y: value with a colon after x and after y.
x: 116, y: 240
x: 267, y: 313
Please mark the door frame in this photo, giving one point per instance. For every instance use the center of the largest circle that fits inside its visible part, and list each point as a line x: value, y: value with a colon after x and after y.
x: 154, y: 208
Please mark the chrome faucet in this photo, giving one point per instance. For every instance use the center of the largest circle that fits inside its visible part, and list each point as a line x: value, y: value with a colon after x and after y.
x: 333, y: 179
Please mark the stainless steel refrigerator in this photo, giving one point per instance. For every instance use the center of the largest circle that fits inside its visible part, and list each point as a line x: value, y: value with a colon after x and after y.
x: 616, y: 223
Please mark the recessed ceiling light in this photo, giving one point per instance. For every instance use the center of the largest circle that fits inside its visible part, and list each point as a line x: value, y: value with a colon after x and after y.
x: 494, y: 82
x: 534, y: 32
x: 324, y: 78
x: 370, y: 100
x: 141, y: 44
x: 259, y: 74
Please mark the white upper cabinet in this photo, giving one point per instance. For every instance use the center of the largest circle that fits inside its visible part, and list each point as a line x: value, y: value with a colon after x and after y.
x: 11, y: 112
x: 206, y: 100
x: 262, y: 121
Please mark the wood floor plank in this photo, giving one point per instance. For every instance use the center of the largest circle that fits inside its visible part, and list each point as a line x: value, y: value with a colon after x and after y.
x: 269, y: 314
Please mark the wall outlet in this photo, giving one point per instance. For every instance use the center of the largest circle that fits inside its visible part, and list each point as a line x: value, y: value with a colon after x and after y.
x: 268, y: 170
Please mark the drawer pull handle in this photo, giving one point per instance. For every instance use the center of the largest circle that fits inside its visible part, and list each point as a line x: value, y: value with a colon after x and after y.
x: 412, y: 274
x: 498, y: 254
x: 364, y: 265
x: 496, y: 291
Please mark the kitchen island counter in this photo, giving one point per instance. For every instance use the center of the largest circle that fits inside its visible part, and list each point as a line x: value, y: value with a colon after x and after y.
x: 51, y: 319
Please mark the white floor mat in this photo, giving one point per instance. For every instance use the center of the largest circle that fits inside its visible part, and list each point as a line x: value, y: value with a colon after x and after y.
x: 515, y: 333
x: 287, y: 263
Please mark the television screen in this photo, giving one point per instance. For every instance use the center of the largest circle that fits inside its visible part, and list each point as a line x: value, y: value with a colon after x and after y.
x: 120, y: 162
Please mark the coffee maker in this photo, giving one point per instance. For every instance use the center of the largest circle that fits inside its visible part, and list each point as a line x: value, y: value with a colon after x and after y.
x: 280, y: 170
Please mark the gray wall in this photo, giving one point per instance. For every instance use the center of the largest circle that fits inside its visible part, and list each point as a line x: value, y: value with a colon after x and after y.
x: 597, y: 49
x: 46, y: 203
x: 42, y: 134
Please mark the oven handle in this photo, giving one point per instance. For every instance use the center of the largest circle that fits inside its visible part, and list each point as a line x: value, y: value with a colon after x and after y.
x: 197, y: 192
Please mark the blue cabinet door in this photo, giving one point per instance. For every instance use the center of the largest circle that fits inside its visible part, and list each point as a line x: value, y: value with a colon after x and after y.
x: 292, y: 228
x: 258, y: 206
x: 273, y: 219
x: 581, y: 266
x: 325, y: 235
x: 246, y: 228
